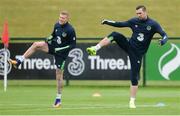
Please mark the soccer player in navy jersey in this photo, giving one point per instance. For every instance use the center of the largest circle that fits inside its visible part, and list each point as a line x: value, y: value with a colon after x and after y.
x: 143, y: 29
x: 60, y: 42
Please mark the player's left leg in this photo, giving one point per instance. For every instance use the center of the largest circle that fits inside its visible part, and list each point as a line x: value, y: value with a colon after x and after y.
x: 135, y: 69
x: 60, y: 62
x: 41, y: 46
x: 59, y: 83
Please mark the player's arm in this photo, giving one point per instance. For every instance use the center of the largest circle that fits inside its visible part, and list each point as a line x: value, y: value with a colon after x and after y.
x: 72, y: 42
x: 116, y: 24
x: 162, y: 33
x: 49, y: 38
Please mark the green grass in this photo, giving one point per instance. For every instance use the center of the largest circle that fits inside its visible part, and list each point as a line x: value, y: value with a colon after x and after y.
x: 37, y: 97
x: 35, y: 18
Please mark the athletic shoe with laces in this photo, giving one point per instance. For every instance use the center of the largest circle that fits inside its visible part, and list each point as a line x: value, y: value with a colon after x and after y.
x: 15, y: 63
x: 91, y: 51
x: 132, y: 104
x: 57, y: 103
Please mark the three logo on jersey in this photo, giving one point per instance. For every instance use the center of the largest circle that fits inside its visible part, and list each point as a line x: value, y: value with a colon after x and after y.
x: 64, y: 34
x: 140, y: 36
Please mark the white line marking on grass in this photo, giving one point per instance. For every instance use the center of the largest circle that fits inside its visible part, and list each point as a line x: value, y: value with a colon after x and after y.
x: 24, y: 104
x: 35, y: 107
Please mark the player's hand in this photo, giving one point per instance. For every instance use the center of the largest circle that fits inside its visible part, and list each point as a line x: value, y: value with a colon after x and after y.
x: 48, y: 39
x: 104, y: 21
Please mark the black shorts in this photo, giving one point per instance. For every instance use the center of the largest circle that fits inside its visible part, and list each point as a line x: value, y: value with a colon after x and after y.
x: 60, y: 57
x: 135, y: 57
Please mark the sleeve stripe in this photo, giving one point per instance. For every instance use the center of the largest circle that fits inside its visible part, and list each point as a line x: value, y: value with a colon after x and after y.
x: 111, y: 21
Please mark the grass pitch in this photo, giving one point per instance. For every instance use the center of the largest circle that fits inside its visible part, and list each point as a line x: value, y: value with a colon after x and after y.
x: 35, y: 18
x: 36, y: 98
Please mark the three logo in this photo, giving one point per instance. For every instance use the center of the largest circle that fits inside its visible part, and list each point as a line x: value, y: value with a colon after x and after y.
x: 77, y: 65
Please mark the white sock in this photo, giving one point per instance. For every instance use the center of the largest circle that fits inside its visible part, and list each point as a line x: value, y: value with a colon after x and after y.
x: 97, y: 47
x: 132, y: 99
x: 58, y: 96
x: 21, y: 58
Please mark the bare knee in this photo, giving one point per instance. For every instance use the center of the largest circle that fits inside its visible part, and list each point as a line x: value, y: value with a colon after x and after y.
x: 40, y: 46
x: 35, y: 45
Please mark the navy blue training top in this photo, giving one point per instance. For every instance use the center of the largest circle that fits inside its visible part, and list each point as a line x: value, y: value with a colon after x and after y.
x: 64, y: 37
x: 143, y: 31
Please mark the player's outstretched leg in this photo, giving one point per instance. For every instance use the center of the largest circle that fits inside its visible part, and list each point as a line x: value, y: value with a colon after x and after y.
x: 15, y: 63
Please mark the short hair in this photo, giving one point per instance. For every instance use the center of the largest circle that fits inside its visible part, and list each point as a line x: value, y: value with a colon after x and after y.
x: 141, y: 7
x: 64, y: 12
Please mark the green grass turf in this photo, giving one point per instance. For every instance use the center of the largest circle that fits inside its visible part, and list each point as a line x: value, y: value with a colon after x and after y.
x: 37, y: 97
x: 35, y: 18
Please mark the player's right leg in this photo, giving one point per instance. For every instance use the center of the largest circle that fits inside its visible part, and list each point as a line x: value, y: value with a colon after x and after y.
x: 42, y: 46
x: 93, y: 49
x: 120, y: 39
